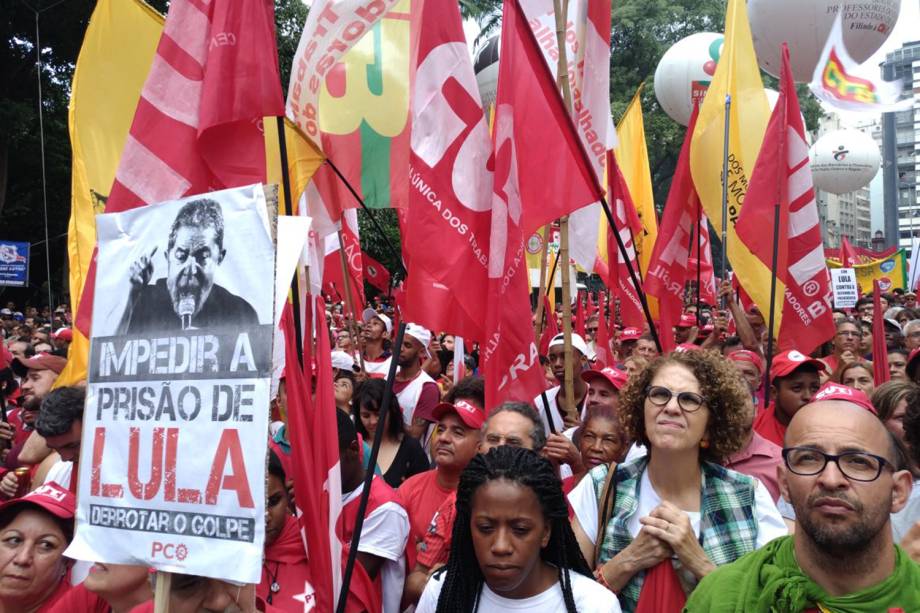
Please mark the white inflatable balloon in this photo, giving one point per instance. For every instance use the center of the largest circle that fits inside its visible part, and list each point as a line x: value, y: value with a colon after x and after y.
x: 686, y: 67
x: 485, y: 65
x: 805, y: 25
x: 842, y: 161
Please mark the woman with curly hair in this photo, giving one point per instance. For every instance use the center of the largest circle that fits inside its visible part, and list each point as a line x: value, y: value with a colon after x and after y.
x: 513, y: 547
x: 675, y: 509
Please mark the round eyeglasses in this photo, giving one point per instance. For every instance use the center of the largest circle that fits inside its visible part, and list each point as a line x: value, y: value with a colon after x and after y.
x: 687, y: 401
x: 855, y: 465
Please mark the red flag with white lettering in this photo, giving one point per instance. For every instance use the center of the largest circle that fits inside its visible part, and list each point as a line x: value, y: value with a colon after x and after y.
x: 332, y: 262
x: 533, y: 132
x: 197, y: 124
x: 627, y: 225
x: 668, y: 266
x: 450, y: 194
x: 782, y: 176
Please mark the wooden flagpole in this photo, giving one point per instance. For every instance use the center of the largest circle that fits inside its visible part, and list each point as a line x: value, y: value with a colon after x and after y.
x: 544, y: 284
x: 562, y: 75
x: 161, y: 592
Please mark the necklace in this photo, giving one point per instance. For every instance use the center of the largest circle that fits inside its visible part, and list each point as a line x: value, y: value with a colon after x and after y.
x: 274, y: 587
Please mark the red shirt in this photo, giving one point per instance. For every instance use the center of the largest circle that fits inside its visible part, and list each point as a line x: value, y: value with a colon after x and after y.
x: 80, y: 600
x: 759, y: 459
x: 421, y: 496
x: 767, y: 426
x: 435, y: 547
x: 285, y: 565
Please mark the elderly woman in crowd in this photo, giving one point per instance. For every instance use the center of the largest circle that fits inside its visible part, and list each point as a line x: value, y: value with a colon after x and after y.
x: 34, y: 531
x: 675, y: 507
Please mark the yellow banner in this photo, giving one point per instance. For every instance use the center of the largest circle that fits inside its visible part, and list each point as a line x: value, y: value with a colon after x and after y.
x: 303, y: 159
x: 891, y: 272
x: 116, y: 55
x: 737, y: 75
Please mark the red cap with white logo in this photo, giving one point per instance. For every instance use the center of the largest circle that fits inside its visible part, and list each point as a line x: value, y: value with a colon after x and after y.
x: 616, y: 377
x: 836, y: 391
x: 786, y: 362
x: 469, y: 414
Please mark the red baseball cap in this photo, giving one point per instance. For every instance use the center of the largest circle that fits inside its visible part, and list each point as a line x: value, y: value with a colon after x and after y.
x: 51, y: 497
x: 469, y: 414
x: 616, y: 377
x: 686, y: 347
x: 630, y: 334
x: 39, y: 361
x: 65, y: 334
x: 745, y: 355
x: 837, y: 391
x: 913, y: 360
x: 687, y: 320
x: 787, y: 361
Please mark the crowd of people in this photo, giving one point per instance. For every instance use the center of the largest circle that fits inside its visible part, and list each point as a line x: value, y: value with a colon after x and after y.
x: 698, y: 480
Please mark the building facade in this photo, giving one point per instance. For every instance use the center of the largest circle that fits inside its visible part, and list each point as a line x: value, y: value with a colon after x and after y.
x: 901, y: 151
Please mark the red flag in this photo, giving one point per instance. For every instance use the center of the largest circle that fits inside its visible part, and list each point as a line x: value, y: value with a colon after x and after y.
x: 532, y: 132
x: 703, y: 259
x: 848, y: 256
x: 668, y: 266
x: 197, y: 124
x: 592, y: 307
x: 782, y: 175
x: 879, y: 345
x: 603, y: 356
x: 580, y: 318
x: 333, y: 280
x: 628, y: 225
x: 375, y: 273
x: 313, y: 433
x: 550, y: 327
x: 450, y: 195
x: 543, y: 132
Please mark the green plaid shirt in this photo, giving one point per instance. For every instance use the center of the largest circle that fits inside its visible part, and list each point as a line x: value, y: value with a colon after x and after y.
x: 728, y: 528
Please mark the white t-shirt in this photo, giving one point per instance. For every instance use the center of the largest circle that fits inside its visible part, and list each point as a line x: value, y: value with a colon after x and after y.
x: 584, y: 503
x: 589, y: 595
x: 384, y: 534
x: 903, y: 520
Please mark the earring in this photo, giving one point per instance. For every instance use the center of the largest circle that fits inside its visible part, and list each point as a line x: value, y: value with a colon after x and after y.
x: 704, y: 444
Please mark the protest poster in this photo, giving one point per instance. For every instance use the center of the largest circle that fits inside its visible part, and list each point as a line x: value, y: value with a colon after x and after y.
x: 172, y: 473
x: 846, y: 291
x: 14, y: 264
x: 890, y: 272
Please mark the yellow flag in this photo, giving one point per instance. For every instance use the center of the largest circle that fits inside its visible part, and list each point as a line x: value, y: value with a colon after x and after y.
x: 738, y: 76
x: 303, y: 159
x: 116, y: 55
x: 632, y: 157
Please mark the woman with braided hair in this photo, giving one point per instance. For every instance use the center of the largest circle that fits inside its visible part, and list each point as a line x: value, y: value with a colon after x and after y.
x: 513, y: 548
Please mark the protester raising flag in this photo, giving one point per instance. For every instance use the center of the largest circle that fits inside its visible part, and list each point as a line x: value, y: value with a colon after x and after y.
x: 99, y: 119
x: 702, y: 263
x: 668, y: 266
x: 839, y: 81
x: 533, y: 131
x: 781, y: 185
x: 447, y: 222
x: 196, y: 127
x: 737, y: 78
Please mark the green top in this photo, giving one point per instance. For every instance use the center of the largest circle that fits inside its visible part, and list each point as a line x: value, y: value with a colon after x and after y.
x: 770, y: 581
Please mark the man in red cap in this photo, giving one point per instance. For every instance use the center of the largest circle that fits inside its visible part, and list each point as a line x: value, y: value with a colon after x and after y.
x: 456, y: 441
x: 604, y: 387
x: 750, y: 366
x: 626, y: 342
x: 794, y: 380
x: 61, y: 338
x: 684, y: 328
x: 38, y: 375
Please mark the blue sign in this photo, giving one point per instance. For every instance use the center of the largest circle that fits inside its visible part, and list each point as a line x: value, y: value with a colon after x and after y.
x: 14, y: 264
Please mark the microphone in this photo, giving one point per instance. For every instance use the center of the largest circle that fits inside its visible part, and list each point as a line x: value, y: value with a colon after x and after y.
x: 186, y: 308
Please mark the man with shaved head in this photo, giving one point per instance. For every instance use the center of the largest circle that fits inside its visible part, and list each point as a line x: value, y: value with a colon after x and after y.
x: 844, y: 475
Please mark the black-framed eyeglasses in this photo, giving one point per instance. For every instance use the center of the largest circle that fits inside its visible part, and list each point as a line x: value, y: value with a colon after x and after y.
x: 687, y: 401
x: 855, y: 465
